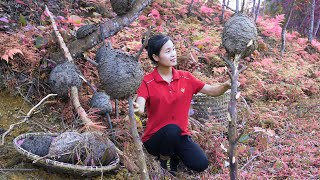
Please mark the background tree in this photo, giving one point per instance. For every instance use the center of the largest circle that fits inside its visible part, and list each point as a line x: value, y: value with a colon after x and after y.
x: 310, y: 35
x: 223, y: 9
x: 253, y: 8
x: 284, y: 28
x: 317, y: 27
x: 257, y: 11
x: 237, y: 6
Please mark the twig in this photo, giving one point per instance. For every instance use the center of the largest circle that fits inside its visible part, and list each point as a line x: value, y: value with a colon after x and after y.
x: 26, y: 118
x: 91, y: 61
x: 130, y: 165
x: 257, y: 156
x: 144, y: 44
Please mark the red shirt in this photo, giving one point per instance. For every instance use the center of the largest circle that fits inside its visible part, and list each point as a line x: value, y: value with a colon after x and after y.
x: 168, y: 103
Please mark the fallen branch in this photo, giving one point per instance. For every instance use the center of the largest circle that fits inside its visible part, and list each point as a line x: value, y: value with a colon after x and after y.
x: 110, y: 28
x: 130, y: 165
x: 257, y: 156
x: 25, y: 118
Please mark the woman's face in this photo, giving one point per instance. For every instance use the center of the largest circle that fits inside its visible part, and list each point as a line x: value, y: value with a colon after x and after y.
x: 167, y: 56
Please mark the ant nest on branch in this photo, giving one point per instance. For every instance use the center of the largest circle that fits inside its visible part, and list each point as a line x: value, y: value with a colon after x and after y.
x: 240, y: 36
x: 63, y: 76
x: 120, y: 73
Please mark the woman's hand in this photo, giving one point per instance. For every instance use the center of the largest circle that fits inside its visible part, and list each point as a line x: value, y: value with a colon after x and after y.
x: 136, y: 107
x: 228, y: 83
x: 139, y: 105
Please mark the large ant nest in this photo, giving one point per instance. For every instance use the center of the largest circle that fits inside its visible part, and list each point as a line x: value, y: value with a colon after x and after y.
x: 121, y: 7
x: 89, y: 149
x: 64, y: 76
x: 238, y: 31
x: 120, y: 73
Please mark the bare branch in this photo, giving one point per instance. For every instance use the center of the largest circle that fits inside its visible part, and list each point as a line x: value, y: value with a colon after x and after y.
x: 26, y: 117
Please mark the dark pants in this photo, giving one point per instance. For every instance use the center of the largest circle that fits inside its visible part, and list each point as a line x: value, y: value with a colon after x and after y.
x: 169, y: 142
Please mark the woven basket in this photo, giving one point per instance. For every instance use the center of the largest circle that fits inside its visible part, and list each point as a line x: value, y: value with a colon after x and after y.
x: 60, y: 166
x: 207, y: 108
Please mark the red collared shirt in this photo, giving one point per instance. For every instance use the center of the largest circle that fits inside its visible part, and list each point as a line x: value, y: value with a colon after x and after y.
x: 168, y: 103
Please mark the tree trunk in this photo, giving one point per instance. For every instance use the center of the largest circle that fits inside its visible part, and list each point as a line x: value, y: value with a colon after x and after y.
x: 110, y: 28
x: 232, y: 109
x: 257, y: 11
x: 253, y: 8
x: 190, y: 8
x: 302, y: 22
x: 237, y: 6
x: 137, y: 142
x: 242, y: 7
x: 223, y: 9
x: 263, y: 8
x: 311, y: 21
x: 316, y: 28
x: 284, y: 28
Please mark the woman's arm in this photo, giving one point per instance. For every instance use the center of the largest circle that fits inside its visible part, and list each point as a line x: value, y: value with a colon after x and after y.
x: 139, y: 105
x: 216, y: 90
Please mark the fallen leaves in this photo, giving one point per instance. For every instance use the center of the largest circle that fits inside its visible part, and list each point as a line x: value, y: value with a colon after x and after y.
x: 8, y: 54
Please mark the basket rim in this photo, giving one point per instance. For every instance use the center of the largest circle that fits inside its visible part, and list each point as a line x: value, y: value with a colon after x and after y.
x: 65, y: 166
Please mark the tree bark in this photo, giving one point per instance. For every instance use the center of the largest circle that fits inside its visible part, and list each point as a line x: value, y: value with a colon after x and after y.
x: 190, y: 8
x: 242, y: 7
x: 263, y: 8
x: 310, y: 37
x: 137, y: 142
x: 223, y: 9
x: 232, y: 109
x: 110, y: 28
x: 284, y: 28
x: 316, y: 28
x: 237, y: 6
x: 257, y: 11
x: 253, y: 8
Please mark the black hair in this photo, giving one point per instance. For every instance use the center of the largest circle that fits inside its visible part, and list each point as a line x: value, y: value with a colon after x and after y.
x: 155, y: 44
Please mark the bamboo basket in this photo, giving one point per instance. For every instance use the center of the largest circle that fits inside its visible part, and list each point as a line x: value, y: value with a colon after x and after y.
x: 207, y: 108
x: 61, y: 166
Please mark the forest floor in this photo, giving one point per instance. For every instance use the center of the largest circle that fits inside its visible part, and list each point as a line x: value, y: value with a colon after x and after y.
x: 278, y: 110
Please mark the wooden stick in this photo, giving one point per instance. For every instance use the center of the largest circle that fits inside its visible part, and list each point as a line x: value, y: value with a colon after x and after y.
x: 60, y: 39
x: 74, y: 90
x: 137, y: 142
x: 26, y: 117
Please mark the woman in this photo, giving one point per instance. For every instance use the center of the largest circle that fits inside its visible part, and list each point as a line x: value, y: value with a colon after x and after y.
x: 167, y: 94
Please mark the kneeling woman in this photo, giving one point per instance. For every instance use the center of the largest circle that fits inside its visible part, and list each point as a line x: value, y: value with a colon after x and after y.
x: 167, y: 93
